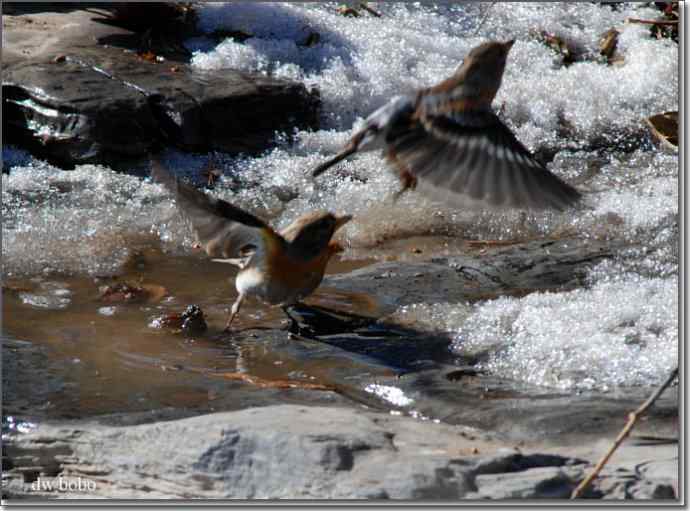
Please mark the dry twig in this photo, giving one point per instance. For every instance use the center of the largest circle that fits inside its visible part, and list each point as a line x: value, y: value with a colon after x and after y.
x: 371, y: 11
x: 652, y: 22
x: 484, y: 18
x: 632, y: 419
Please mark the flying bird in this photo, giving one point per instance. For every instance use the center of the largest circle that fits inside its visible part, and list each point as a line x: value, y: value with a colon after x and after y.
x: 447, y: 139
x: 279, y: 268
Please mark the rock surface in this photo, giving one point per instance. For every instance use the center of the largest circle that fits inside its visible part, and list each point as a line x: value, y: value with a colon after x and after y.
x: 76, y: 89
x: 540, y: 265
x: 292, y: 452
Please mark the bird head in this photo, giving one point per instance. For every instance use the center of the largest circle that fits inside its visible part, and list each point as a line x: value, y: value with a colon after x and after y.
x: 481, y: 72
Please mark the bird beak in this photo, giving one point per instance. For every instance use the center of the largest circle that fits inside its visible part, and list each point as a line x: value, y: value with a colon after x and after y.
x: 508, y: 45
x: 340, y: 221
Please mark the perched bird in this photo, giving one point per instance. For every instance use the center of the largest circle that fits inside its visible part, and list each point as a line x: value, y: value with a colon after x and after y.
x: 280, y: 268
x: 448, y: 138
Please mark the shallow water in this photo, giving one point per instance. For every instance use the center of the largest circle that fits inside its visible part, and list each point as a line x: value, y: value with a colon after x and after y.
x: 111, y: 358
x: 63, y: 229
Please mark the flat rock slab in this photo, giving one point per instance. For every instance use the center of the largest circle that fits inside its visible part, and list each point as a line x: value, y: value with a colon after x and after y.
x: 540, y: 265
x: 71, y: 96
x: 290, y: 452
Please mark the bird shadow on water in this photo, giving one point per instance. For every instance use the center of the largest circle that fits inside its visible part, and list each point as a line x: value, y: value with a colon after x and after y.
x: 403, y: 349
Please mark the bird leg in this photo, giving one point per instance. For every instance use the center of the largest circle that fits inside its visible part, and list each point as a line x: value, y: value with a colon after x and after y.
x: 407, y: 180
x: 294, y: 324
x: 233, y: 312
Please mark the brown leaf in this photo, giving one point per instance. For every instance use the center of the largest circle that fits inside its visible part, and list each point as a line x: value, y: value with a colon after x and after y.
x: 148, y: 56
x: 344, y: 10
x: 274, y: 384
x: 566, y: 49
x: 132, y: 293
x: 608, y: 43
x: 664, y: 128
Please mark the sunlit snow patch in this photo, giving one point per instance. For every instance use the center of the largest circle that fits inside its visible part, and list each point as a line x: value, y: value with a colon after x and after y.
x: 80, y: 221
x: 621, y: 331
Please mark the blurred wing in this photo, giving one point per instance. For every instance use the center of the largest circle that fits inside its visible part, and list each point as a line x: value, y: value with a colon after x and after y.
x: 221, y: 229
x: 475, y: 155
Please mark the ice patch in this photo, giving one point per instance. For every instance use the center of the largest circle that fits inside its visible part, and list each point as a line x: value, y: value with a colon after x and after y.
x: 81, y: 221
x: 621, y: 331
x: 393, y: 395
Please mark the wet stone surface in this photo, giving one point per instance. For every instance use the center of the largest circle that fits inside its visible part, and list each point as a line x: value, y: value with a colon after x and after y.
x: 73, y: 101
x: 540, y: 265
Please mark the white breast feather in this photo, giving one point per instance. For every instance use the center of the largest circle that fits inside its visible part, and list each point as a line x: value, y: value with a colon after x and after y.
x: 248, y: 281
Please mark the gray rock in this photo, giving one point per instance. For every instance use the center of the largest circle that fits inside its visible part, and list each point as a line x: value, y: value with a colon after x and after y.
x: 546, y: 482
x: 654, y: 489
x: 271, y: 452
x: 520, y: 269
x: 71, y: 99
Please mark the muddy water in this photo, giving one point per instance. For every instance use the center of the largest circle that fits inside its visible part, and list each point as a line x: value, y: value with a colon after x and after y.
x: 99, y: 357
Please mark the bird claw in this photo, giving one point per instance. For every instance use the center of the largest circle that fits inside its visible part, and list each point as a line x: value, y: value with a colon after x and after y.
x: 398, y: 194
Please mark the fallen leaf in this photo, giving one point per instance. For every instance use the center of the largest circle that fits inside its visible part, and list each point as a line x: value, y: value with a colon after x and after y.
x: 608, y: 43
x: 344, y: 10
x: 565, y: 49
x: 664, y: 128
x: 131, y: 293
x: 148, y: 56
x: 273, y: 384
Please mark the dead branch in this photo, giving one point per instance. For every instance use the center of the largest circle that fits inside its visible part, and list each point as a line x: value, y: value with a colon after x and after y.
x: 484, y: 18
x: 652, y: 22
x: 632, y: 419
x: 370, y: 10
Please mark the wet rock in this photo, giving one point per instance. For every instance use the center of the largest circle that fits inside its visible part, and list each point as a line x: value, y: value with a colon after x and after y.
x: 313, y: 320
x: 521, y: 412
x: 190, y: 321
x: 29, y: 380
x: 70, y: 94
x: 517, y: 270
